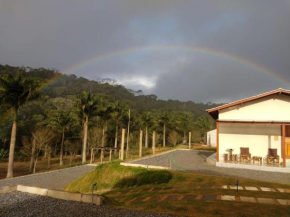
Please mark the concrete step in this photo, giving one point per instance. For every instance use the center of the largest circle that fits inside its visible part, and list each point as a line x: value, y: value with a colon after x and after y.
x: 211, y: 159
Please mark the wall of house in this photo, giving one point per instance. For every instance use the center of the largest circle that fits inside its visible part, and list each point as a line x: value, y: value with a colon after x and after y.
x: 211, y: 138
x: 272, y: 108
x: 257, y: 137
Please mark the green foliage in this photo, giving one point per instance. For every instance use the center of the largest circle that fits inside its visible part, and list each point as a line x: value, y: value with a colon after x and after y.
x: 113, y: 175
x: 4, y: 153
x: 17, y: 90
x: 104, y: 104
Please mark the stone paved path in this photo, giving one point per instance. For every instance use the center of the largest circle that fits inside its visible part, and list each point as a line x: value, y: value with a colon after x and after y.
x: 190, y: 197
x: 54, y: 180
x: 194, y: 161
x: 196, y: 187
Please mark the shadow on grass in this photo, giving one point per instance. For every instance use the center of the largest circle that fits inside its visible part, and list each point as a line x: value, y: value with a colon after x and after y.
x: 145, y: 178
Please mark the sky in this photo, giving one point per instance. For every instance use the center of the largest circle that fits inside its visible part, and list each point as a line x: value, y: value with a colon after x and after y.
x: 198, y: 50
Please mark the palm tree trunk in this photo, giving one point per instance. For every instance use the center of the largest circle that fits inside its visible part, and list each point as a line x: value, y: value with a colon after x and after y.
x: 12, y: 147
x: 84, y: 157
x: 48, y: 158
x: 164, y: 136
x: 146, y: 137
x: 32, y: 156
x: 34, y: 168
x: 184, y: 137
x: 103, y: 136
x: 61, y: 149
x: 116, y: 139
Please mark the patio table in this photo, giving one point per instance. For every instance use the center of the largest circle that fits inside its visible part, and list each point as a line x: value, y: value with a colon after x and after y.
x: 257, y: 158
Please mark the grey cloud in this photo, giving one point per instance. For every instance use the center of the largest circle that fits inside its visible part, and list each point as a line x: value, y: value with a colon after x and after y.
x: 62, y: 33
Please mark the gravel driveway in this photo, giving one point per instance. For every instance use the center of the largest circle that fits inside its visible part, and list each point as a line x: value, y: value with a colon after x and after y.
x: 54, y: 180
x: 195, y: 161
x: 21, y: 204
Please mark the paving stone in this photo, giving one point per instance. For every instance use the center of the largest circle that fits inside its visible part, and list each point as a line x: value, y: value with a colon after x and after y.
x: 146, y: 199
x: 157, y: 189
x: 198, y: 197
x: 180, y: 187
x: 247, y: 199
x: 163, y: 198
x: 268, y: 189
x: 151, y: 189
x: 173, y: 197
x: 189, y: 197
x: 282, y: 190
x: 143, y: 190
x: 284, y: 202
x: 131, y: 200
x: 131, y: 192
x: 155, y: 198
x: 167, y: 188
x: 267, y: 200
x: 251, y: 188
x: 181, y: 197
x: 209, y: 197
x: 228, y: 197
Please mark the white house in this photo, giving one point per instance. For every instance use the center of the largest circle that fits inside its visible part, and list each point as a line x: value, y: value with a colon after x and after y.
x: 211, y: 138
x: 257, y: 123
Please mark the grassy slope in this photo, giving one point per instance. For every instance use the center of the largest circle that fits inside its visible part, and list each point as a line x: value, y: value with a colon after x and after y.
x: 113, y: 175
x: 204, y: 208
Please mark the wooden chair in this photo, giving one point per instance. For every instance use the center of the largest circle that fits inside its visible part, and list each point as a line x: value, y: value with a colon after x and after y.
x: 245, y: 155
x: 273, y: 157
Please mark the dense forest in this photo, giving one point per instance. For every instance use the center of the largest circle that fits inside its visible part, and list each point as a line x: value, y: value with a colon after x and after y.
x: 68, y: 114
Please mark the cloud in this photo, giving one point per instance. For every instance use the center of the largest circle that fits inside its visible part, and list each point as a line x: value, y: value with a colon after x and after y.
x: 58, y: 34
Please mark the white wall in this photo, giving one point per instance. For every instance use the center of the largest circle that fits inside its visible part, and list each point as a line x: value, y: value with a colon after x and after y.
x: 211, y: 138
x: 272, y: 108
x: 257, y: 137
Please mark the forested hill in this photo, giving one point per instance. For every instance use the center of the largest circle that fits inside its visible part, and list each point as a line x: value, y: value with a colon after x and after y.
x: 69, y: 86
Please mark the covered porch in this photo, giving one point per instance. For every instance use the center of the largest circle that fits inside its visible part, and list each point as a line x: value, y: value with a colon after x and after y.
x: 261, y: 138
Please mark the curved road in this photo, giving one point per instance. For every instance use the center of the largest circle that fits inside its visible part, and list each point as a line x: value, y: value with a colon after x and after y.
x: 54, y: 180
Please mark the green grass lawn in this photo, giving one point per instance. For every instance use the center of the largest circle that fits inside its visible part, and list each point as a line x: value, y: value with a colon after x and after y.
x: 114, y: 178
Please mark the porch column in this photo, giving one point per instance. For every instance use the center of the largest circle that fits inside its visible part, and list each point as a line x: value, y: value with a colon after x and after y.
x: 217, y: 140
x: 283, y: 145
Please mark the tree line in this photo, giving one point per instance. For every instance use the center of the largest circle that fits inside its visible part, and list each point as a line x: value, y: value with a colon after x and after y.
x: 36, y: 122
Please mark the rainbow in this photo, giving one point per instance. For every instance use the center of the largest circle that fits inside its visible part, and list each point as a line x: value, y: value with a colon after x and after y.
x: 201, y: 50
x: 51, y: 81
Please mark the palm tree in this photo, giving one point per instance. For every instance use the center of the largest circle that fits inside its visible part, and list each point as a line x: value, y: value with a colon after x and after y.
x: 89, y: 105
x: 147, y: 121
x: 15, y: 92
x: 183, y: 123
x: 164, y: 120
x: 104, y: 112
x: 62, y: 120
x: 116, y: 115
